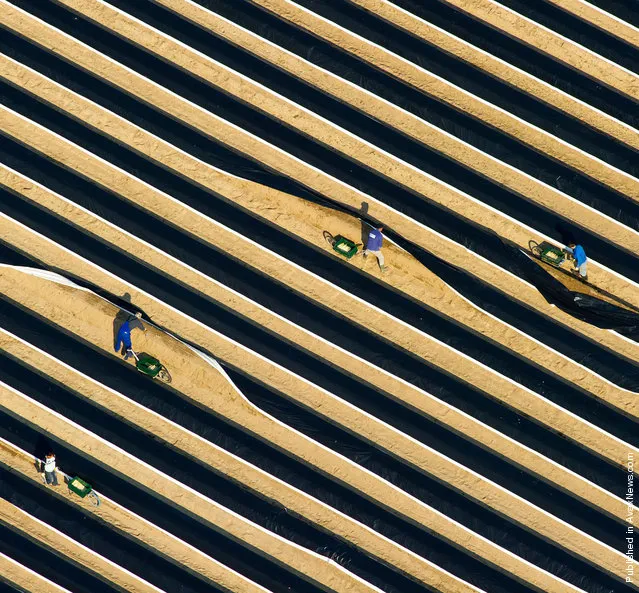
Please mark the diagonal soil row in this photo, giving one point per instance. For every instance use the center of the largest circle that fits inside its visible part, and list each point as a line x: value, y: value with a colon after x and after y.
x: 407, y: 394
x: 401, y: 120
x: 21, y: 522
x: 420, y: 344
x: 237, y: 139
x: 61, y: 307
x: 135, y: 528
x: 446, y: 92
x: 233, y: 467
x: 25, y: 579
x: 558, y: 47
x: 349, y: 145
x: 297, y: 217
x: 600, y: 19
x: 236, y: 407
x: 306, y: 564
x: 501, y: 69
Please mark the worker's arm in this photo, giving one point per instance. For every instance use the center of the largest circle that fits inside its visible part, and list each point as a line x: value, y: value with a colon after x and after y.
x: 136, y: 322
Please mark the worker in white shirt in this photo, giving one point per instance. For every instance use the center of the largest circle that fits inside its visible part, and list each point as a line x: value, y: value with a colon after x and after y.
x: 50, y: 477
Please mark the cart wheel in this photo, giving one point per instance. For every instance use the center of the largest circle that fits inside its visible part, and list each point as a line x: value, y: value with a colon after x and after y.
x: 534, y: 248
x: 94, y: 499
x: 163, y: 375
x: 329, y: 238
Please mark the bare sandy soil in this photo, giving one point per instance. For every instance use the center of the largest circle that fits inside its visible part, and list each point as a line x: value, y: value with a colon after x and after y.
x: 420, y: 457
x: 295, y: 216
x: 313, y: 567
x: 86, y: 316
x: 192, y: 375
x: 21, y: 522
x: 504, y: 71
x: 407, y: 394
x: 410, y: 125
x: 600, y: 19
x: 452, y: 95
x: 204, y: 452
x: 265, y: 101
x: 25, y: 580
x: 133, y: 527
x: 331, y: 188
x: 501, y: 388
x: 561, y: 49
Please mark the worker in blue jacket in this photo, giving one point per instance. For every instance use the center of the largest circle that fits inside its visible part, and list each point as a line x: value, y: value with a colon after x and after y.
x: 580, y: 259
x: 374, y: 246
x: 124, y: 334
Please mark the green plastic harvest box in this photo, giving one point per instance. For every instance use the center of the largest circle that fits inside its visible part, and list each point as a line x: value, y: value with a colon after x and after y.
x: 80, y: 487
x: 345, y: 246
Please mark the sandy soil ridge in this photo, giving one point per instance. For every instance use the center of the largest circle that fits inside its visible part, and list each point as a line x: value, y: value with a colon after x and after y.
x: 471, y: 485
x: 414, y: 127
x: 209, y: 124
x: 432, y: 351
x: 135, y: 528
x: 21, y: 522
x: 306, y: 564
x: 558, y: 47
x: 287, y: 165
x: 361, y: 151
x: 25, y: 579
x: 407, y: 394
x: 294, y: 215
x: 601, y: 19
x: 233, y: 467
x: 87, y: 325
x: 456, y: 97
x: 500, y: 69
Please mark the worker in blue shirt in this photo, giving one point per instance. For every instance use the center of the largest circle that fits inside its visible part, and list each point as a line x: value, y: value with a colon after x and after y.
x: 124, y: 334
x: 580, y: 259
x: 374, y: 246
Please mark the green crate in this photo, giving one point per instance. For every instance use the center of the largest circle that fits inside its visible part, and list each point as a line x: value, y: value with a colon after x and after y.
x: 345, y: 247
x: 80, y: 487
x: 149, y: 365
x: 551, y: 254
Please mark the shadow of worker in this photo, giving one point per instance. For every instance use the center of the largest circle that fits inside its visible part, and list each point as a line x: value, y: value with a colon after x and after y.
x: 365, y: 228
x: 119, y: 319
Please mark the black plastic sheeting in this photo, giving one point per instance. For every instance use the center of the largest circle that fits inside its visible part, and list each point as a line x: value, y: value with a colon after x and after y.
x: 424, y: 488
x: 48, y: 564
x: 91, y: 532
x: 588, y: 308
x: 242, y: 167
x: 580, y: 31
x: 6, y: 587
x: 624, y: 9
x: 269, y: 514
x: 419, y: 155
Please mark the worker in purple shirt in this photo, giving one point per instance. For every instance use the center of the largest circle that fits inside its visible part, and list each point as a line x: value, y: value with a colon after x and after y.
x: 580, y: 260
x: 124, y: 334
x: 374, y: 246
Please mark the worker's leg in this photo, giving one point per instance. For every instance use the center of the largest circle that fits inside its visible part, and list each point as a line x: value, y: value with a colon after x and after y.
x: 378, y: 254
x: 583, y: 270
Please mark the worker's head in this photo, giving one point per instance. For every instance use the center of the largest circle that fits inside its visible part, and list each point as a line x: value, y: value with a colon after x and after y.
x: 380, y: 228
x: 572, y: 245
x: 50, y: 454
